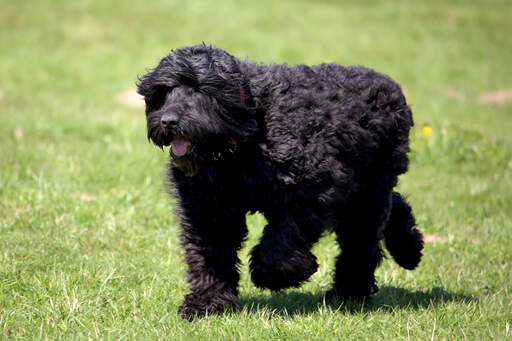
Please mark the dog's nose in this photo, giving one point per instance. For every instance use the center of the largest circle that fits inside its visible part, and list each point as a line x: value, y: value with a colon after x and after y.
x: 169, y: 120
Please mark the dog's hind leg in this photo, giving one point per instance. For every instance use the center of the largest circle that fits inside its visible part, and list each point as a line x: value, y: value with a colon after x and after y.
x: 359, y: 230
x: 283, y: 258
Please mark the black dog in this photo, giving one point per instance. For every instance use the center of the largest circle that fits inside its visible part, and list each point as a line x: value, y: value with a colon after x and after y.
x: 312, y: 148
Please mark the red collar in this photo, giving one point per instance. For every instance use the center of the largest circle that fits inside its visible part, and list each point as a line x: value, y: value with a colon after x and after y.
x: 241, y: 90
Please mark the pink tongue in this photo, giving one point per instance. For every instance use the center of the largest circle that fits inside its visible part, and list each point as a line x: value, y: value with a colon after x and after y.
x: 179, y: 146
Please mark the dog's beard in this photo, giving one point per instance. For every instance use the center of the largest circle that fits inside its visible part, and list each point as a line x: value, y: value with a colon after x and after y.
x: 189, y: 164
x: 192, y: 157
x: 189, y: 152
x: 185, y: 155
x: 181, y: 148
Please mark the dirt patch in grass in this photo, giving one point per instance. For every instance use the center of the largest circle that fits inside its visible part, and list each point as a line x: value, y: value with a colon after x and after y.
x: 453, y: 93
x: 87, y: 197
x: 131, y: 99
x: 498, y: 97
x: 434, y: 238
x: 18, y: 134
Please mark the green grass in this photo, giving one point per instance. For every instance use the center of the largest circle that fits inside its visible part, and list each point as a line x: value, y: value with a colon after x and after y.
x: 88, y: 242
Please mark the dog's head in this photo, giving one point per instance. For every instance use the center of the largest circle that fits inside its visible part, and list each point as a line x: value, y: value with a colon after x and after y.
x: 199, y: 103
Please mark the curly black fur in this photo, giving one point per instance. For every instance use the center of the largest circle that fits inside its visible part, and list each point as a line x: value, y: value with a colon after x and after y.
x: 311, y: 147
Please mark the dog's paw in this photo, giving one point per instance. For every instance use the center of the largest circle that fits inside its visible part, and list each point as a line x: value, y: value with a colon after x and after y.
x: 277, y: 272
x: 332, y: 295
x: 360, y: 294
x: 200, y: 304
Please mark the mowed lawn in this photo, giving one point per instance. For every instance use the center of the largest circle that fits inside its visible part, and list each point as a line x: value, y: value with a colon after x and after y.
x: 88, y: 242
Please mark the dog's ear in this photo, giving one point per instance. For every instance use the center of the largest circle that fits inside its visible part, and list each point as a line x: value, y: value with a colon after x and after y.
x: 143, y: 83
x: 220, y: 76
x: 242, y: 119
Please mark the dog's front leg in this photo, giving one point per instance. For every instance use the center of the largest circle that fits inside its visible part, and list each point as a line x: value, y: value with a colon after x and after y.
x: 283, y: 258
x: 210, y: 238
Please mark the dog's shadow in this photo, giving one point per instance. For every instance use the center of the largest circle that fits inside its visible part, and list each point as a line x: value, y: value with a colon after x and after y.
x: 388, y: 298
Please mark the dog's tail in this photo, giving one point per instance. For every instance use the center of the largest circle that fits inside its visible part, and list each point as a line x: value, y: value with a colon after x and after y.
x: 403, y: 241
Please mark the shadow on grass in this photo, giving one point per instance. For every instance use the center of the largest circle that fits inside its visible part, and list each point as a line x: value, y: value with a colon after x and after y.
x: 387, y: 299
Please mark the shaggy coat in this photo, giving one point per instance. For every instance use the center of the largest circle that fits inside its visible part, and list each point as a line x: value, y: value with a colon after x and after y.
x: 313, y: 148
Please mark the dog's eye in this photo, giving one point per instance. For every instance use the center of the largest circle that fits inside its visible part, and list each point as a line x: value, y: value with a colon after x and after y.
x: 157, y: 98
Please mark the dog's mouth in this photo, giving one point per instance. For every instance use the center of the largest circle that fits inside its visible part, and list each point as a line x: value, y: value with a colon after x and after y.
x: 184, y: 154
x: 189, y: 156
x: 180, y: 146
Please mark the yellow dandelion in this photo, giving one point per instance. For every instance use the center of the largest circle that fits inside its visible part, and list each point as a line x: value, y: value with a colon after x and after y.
x: 426, y: 130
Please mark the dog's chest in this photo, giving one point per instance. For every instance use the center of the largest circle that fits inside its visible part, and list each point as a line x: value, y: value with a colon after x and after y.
x: 253, y: 185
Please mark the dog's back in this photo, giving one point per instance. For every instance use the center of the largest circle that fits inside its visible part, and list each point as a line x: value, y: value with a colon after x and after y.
x: 329, y: 116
